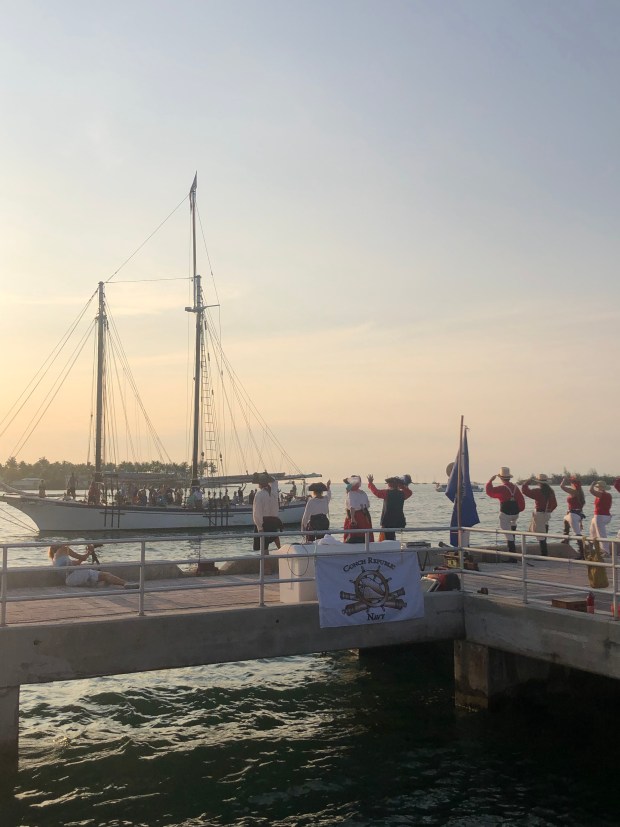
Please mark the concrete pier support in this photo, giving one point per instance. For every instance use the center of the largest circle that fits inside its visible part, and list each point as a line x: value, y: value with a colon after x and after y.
x: 9, y: 729
x: 485, y: 677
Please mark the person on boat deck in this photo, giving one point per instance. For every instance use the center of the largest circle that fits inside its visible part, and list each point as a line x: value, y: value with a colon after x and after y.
x: 94, y: 493
x: 575, y: 503
x: 71, y: 486
x: 511, y: 503
x: 545, y: 502
x: 602, y: 513
x: 316, y: 512
x: 265, y: 513
x: 41, y: 488
x: 357, y: 510
x: 394, y: 496
x: 178, y: 496
x: 64, y: 556
x: 240, y: 496
x: 251, y: 496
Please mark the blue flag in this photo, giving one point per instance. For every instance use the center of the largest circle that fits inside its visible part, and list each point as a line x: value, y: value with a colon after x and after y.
x: 469, y: 512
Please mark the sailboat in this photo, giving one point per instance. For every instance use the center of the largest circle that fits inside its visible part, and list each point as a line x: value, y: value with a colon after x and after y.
x: 108, y: 509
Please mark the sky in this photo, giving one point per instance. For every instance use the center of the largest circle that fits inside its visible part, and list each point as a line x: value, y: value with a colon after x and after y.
x: 410, y: 209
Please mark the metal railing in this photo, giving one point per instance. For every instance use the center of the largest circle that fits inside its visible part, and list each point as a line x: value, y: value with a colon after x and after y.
x: 186, y: 583
x: 531, y: 588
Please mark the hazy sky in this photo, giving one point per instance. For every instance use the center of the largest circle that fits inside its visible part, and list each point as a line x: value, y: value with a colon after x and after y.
x: 411, y: 211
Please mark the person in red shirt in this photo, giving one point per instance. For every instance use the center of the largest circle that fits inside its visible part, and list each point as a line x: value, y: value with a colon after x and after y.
x: 602, y: 515
x: 542, y: 493
x: 394, y: 496
x: 574, y: 504
x: 511, y: 503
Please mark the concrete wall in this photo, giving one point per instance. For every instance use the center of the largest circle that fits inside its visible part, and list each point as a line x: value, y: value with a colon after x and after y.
x: 35, y: 654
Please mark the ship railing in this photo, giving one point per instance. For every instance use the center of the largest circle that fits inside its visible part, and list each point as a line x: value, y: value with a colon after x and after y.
x: 528, y: 581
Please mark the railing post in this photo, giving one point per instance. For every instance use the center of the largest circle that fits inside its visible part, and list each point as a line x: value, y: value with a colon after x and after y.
x: 614, y: 580
x: 5, y: 557
x: 261, y: 571
x: 367, y: 539
x: 524, y: 564
x: 142, y: 578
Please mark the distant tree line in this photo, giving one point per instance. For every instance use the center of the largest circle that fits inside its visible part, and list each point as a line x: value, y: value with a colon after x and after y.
x: 56, y: 474
x: 587, y: 478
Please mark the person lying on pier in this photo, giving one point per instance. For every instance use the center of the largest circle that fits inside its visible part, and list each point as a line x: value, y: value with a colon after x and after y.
x: 511, y: 503
x: 357, y: 510
x: 64, y: 556
x: 316, y: 512
x: 538, y: 489
x: 394, y: 496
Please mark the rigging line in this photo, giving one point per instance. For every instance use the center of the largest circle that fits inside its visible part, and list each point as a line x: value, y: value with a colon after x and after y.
x: 258, y: 451
x: 235, y: 379
x: 139, y: 281
x: 15, y: 521
x: 114, y: 337
x: 51, y: 359
x: 59, y: 382
x: 204, y: 240
x: 146, y: 240
x: 128, y: 437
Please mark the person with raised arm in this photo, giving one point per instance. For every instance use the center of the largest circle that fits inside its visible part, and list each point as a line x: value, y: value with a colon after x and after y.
x: 602, y: 514
x: 357, y: 510
x: 545, y: 502
x: 394, y: 496
x: 511, y: 503
x: 574, y: 517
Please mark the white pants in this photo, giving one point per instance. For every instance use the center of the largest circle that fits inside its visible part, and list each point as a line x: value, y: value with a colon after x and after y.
x: 598, y: 529
x: 508, y: 522
x: 540, y: 522
x: 575, y: 522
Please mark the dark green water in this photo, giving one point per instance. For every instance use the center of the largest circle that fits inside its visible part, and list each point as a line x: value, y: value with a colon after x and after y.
x: 321, y: 740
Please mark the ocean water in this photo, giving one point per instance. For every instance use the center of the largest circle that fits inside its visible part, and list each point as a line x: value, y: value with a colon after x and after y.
x: 328, y: 739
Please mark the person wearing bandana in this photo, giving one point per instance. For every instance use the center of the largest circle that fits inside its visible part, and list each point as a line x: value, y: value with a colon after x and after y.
x: 357, y: 510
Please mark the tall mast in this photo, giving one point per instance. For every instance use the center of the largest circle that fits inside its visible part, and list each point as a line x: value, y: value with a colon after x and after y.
x: 101, y: 321
x: 198, y: 310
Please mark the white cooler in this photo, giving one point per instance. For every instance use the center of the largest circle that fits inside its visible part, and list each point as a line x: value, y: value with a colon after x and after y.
x: 293, y: 568
x: 297, y: 592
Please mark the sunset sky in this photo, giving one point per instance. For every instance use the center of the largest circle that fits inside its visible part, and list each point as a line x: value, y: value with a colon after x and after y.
x: 411, y: 212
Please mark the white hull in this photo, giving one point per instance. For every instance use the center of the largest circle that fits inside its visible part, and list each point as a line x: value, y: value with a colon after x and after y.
x: 66, y: 515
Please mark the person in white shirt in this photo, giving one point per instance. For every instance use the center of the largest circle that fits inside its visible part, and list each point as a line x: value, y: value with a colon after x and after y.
x: 316, y: 512
x: 357, y: 506
x: 265, y: 509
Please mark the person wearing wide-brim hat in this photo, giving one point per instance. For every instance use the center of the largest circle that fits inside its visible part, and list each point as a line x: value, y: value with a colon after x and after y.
x: 511, y: 503
x: 602, y: 513
x: 265, y: 509
x: 394, y: 496
x: 545, y: 502
x: 574, y: 517
x: 357, y: 508
x: 315, y: 518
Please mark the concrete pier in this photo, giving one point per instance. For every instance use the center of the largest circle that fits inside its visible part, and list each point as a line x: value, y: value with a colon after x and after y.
x: 500, y: 641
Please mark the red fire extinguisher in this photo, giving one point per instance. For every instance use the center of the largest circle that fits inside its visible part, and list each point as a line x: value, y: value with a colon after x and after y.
x: 590, y: 603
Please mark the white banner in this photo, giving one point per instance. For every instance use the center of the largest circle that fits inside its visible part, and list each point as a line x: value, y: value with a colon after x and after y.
x: 369, y: 587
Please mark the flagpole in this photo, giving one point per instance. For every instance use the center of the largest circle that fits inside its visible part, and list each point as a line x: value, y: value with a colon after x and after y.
x: 459, y: 490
